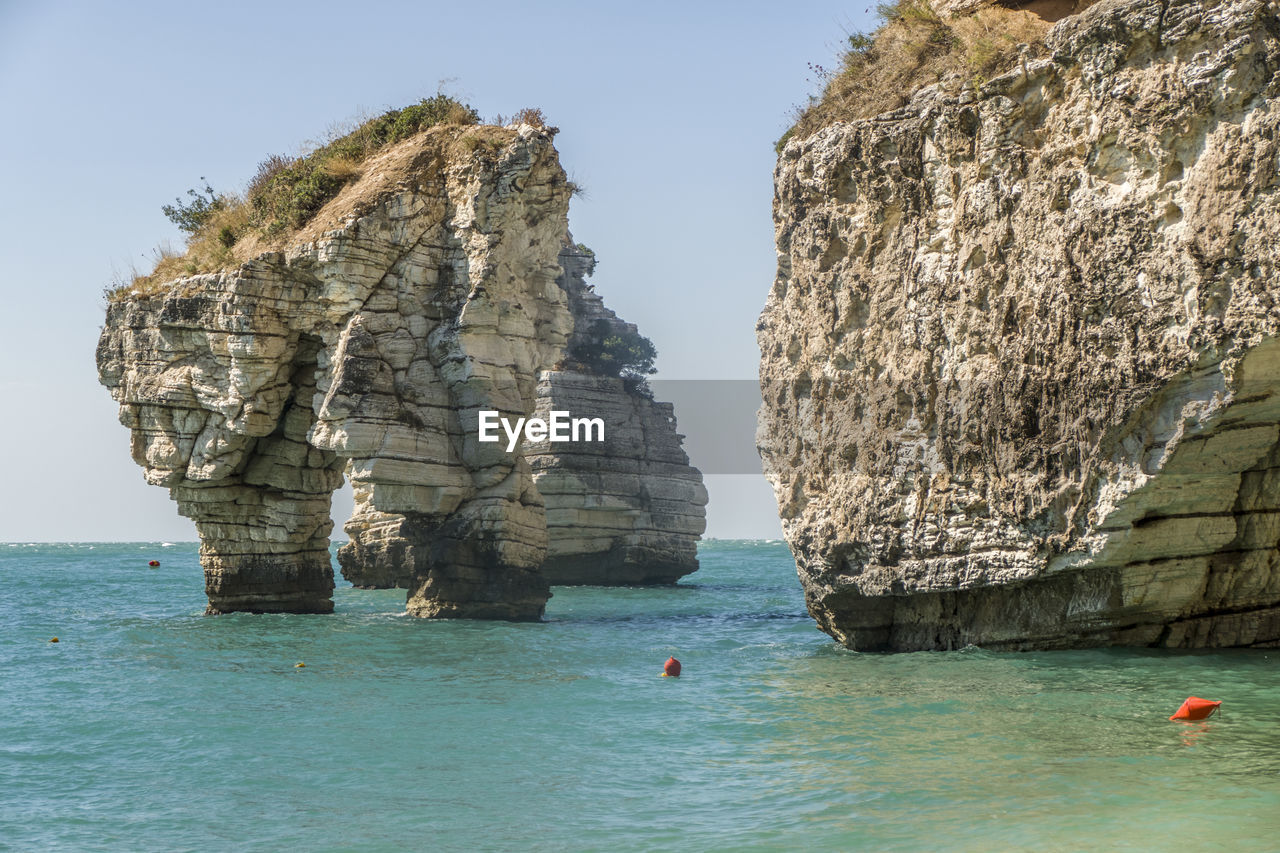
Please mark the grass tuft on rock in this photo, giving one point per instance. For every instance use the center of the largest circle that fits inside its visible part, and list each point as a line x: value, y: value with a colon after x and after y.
x: 286, y: 192
x: 913, y: 48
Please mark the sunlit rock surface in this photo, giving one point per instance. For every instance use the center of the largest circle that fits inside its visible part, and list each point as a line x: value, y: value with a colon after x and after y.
x: 1020, y: 361
x: 422, y: 294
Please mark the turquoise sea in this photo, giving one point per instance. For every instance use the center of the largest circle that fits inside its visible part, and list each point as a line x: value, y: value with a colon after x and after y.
x: 151, y: 727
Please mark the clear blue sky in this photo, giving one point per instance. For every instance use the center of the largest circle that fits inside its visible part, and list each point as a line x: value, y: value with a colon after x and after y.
x: 668, y: 113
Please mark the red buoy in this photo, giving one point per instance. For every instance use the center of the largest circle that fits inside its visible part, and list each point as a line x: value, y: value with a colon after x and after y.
x: 671, y: 668
x: 154, y: 564
x: 1195, y: 708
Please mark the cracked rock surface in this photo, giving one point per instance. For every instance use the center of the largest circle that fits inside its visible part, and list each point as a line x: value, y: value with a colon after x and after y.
x: 1020, y: 362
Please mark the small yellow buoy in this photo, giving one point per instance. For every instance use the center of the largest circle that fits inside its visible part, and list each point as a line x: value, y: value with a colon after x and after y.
x: 54, y: 640
x: 299, y: 665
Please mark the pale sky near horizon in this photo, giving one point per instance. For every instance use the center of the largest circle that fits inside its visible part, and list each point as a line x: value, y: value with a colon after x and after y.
x: 667, y: 114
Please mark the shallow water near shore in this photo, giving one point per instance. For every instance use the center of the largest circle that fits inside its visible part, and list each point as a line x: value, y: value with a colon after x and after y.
x: 151, y: 727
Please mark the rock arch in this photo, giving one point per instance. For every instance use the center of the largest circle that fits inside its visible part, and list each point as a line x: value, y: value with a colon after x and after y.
x: 431, y: 289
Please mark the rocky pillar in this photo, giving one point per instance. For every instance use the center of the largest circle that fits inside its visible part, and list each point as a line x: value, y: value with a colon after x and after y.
x: 221, y: 417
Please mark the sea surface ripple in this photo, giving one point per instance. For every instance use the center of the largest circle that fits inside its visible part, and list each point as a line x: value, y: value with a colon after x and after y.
x: 149, y: 726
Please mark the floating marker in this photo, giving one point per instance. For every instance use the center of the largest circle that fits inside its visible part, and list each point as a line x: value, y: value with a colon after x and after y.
x: 155, y: 564
x: 54, y: 640
x: 1196, y: 708
x: 671, y: 669
x: 299, y: 665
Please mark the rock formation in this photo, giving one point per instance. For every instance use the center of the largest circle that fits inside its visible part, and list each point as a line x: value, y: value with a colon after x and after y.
x: 630, y: 509
x: 627, y: 510
x: 422, y: 294
x: 1020, y: 361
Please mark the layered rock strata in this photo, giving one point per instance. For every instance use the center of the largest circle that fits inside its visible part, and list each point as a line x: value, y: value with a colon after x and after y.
x: 421, y: 295
x: 1020, y: 362
x: 626, y: 510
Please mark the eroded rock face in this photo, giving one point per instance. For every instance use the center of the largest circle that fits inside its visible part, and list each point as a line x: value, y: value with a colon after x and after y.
x: 373, y: 345
x: 1020, y: 363
x: 630, y: 509
x: 626, y: 510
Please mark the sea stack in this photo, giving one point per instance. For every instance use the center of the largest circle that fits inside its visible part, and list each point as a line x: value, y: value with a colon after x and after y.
x: 1020, y: 361
x: 367, y: 339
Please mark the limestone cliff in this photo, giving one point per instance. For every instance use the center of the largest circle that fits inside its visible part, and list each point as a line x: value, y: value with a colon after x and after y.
x: 422, y: 294
x: 1020, y: 358
x: 627, y: 510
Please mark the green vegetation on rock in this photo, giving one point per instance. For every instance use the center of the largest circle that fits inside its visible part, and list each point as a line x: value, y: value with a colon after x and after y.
x: 191, y: 216
x: 913, y: 48
x: 287, y: 192
x: 612, y: 350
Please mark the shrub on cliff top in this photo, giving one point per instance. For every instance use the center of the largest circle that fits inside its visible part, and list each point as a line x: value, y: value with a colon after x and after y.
x: 193, y: 215
x: 530, y: 116
x: 286, y: 192
x: 914, y: 47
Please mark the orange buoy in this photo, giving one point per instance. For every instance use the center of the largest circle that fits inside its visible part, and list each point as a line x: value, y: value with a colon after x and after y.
x: 54, y: 640
x: 154, y: 564
x: 299, y: 665
x: 671, y: 669
x: 1196, y: 708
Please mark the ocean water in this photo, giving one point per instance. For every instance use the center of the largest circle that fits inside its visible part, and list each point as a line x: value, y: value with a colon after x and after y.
x: 152, y: 727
